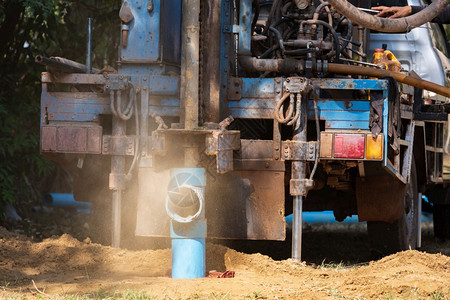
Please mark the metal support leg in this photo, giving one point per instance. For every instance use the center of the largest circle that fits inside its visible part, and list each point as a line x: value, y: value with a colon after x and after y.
x: 116, y: 218
x: 297, y: 188
x: 297, y: 222
x: 117, y: 180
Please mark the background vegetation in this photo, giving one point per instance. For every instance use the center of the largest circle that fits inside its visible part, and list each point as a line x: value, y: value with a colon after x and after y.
x: 50, y: 28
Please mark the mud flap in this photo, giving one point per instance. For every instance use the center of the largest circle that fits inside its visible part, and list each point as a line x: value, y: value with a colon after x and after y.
x: 380, y: 198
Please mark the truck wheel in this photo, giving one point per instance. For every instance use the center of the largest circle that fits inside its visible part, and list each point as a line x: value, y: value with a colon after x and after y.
x: 441, y: 221
x: 387, y: 238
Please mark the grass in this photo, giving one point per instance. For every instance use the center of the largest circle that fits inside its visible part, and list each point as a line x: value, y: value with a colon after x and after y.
x: 332, y: 266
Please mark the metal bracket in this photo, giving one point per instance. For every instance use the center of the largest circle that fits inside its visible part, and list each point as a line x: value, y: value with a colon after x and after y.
x: 234, y: 89
x: 118, y: 145
x: 296, y: 84
x: 300, y: 187
x: 157, y: 142
x: 117, y: 82
x: 222, y: 144
x: 231, y: 29
x: 299, y: 151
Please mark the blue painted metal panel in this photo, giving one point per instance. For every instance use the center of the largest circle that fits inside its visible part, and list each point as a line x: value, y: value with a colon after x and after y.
x: 164, y: 111
x: 354, y: 125
x: 245, y: 20
x: 252, y: 113
x: 259, y: 88
x: 171, y: 30
x: 253, y: 103
x: 358, y: 84
x: 350, y: 105
x: 65, y: 106
x: 148, y: 69
x: 144, y: 33
x: 342, y: 114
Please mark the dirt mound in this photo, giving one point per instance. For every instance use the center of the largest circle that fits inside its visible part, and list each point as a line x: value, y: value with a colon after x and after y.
x: 64, y: 266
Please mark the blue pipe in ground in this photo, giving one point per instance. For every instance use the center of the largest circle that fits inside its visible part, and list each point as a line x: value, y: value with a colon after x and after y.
x: 65, y: 200
x: 323, y: 217
x: 186, y: 208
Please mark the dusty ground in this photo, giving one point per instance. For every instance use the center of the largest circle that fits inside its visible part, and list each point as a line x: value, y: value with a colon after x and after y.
x: 336, y: 266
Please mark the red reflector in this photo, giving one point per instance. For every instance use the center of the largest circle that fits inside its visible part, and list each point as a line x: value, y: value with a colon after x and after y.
x: 349, y: 146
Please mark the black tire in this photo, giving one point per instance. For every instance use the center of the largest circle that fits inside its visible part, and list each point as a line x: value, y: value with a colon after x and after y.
x: 441, y: 221
x: 388, y: 238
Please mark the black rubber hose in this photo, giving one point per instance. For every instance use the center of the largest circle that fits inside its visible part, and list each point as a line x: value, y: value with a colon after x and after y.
x: 279, y: 40
x: 256, y: 16
x: 349, y: 34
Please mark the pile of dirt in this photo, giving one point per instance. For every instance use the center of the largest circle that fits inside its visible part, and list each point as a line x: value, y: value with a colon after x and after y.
x: 65, y: 266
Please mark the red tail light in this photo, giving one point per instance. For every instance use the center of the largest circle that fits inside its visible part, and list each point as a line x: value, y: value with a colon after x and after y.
x: 349, y: 146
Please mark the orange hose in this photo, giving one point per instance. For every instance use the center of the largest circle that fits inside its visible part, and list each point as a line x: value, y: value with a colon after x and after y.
x: 400, y: 77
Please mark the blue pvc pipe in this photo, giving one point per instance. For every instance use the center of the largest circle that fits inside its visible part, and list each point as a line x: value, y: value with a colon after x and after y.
x: 188, y: 238
x: 66, y: 201
x: 323, y: 217
x: 188, y: 258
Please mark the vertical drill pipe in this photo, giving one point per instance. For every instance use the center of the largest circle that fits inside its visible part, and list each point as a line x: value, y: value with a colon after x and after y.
x: 89, y: 47
x: 298, y: 172
x: 117, y: 170
x: 191, y: 33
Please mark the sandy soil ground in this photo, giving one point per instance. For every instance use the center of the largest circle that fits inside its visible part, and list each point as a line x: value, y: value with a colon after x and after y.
x: 65, y: 268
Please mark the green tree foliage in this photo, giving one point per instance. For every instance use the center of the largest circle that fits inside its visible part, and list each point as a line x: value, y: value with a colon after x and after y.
x: 50, y: 28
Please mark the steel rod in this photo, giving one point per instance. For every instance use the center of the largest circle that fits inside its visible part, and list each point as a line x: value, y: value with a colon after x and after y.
x: 298, y: 174
x: 116, y: 218
x: 89, y: 47
x: 117, y: 179
x: 297, y: 223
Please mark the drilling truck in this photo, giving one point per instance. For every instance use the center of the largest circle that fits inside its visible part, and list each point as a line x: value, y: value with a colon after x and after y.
x: 226, y: 116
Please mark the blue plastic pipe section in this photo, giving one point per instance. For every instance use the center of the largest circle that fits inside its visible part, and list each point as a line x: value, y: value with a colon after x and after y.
x: 188, y: 234
x: 188, y: 258
x: 66, y: 201
x: 323, y: 217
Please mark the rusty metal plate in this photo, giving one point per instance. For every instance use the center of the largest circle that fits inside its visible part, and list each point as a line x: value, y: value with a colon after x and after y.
x: 239, y: 205
x: 326, y: 145
x: 256, y: 149
x: 71, y: 139
x: 243, y: 205
x: 118, y: 145
x: 48, y: 139
x: 234, y: 89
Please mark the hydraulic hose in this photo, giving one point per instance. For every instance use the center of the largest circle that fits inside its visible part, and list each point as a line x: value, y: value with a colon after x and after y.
x: 389, y: 25
x: 400, y: 77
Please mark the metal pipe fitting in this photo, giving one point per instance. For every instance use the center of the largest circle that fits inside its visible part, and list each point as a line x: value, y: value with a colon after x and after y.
x: 288, y: 66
